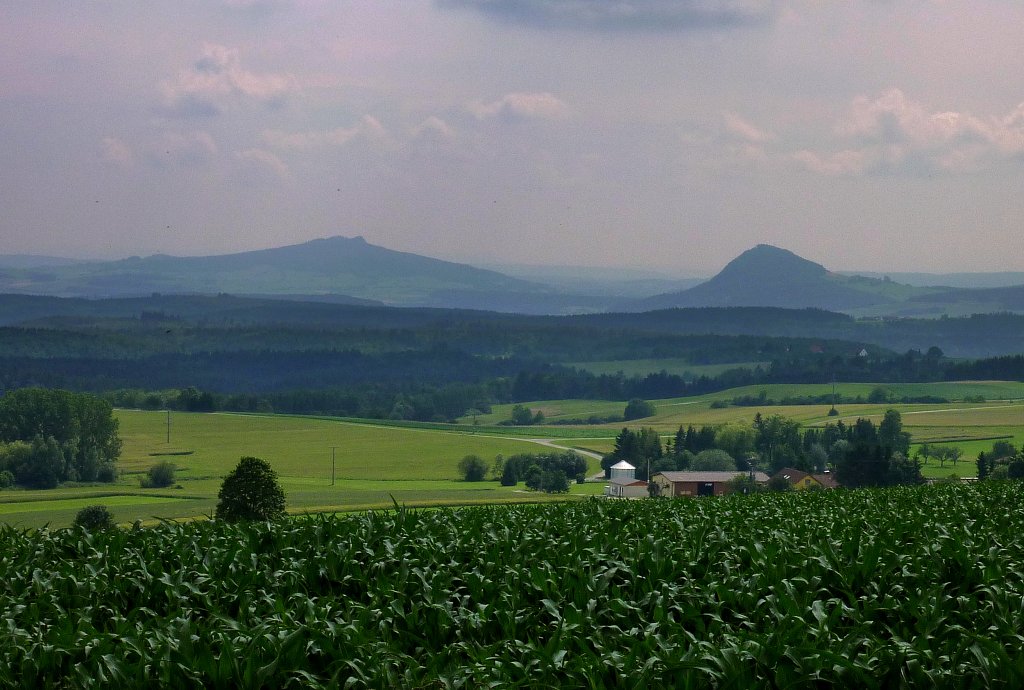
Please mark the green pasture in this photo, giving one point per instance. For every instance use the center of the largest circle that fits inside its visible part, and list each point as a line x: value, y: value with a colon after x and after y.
x: 374, y: 465
x: 674, y: 411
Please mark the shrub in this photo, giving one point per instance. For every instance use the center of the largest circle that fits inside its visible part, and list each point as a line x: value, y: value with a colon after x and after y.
x: 94, y: 518
x: 107, y: 473
x: 638, y: 409
x: 159, y: 476
x: 6, y: 479
x: 250, y: 492
x: 554, y: 482
x: 473, y: 468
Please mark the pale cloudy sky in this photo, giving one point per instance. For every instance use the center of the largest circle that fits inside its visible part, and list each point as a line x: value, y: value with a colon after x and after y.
x: 863, y: 134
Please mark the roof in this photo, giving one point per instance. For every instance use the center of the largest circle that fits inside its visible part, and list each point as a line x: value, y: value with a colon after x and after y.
x: 791, y: 474
x: 627, y: 481
x: 794, y: 476
x: 827, y: 480
x: 710, y: 476
x: 622, y: 465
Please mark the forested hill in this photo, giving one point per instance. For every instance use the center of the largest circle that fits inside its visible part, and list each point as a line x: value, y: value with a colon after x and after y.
x: 980, y: 335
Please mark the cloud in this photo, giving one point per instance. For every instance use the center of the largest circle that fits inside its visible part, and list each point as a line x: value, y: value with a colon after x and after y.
x: 263, y: 160
x: 516, y: 106
x: 891, y: 134
x: 218, y: 75
x: 116, y: 152
x: 368, y: 128
x: 625, y: 15
x: 183, y: 148
x: 742, y: 129
x: 435, y: 128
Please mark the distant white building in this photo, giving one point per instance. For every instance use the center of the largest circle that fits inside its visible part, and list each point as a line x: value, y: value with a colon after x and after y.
x: 623, y: 482
x: 623, y: 469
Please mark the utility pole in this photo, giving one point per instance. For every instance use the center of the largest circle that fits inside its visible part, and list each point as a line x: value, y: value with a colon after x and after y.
x: 333, y: 449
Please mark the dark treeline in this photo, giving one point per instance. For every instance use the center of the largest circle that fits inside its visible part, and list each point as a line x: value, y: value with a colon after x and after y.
x: 979, y: 335
x: 438, y: 384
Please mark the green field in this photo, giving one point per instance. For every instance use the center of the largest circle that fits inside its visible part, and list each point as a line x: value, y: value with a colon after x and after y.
x: 373, y: 465
x: 415, y: 464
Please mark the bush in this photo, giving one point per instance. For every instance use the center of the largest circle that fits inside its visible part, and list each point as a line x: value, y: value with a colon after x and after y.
x: 638, y: 409
x: 472, y: 468
x: 107, y: 473
x: 250, y: 492
x: 6, y: 479
x: 554, y: 482
x: 159, y: 476
x: 94, y: 518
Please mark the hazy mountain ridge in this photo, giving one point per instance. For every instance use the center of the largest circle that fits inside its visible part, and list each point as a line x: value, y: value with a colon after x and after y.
x: 353, y: 271
x: 332, y: 266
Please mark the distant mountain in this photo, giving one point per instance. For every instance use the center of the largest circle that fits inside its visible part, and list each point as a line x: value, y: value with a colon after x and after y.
x: 767, y: 276
x: 34, y: 261
x: 337, y: 266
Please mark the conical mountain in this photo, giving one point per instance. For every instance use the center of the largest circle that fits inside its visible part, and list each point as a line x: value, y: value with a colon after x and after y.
x: 768, y: 276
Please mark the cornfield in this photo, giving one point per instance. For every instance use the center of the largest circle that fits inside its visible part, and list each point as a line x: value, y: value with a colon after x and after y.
x: 913, y: 587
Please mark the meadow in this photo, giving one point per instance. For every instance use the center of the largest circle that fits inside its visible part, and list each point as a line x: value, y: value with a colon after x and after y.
x: 377, y: 463
x: 373, y: 465
x: 904, y: 587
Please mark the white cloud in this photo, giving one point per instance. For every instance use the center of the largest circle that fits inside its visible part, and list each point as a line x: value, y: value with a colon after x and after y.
x: 368, y: 128
x: 738, y: 127
x: 891, y: 133
x: 522, y: 105
x: 218, y: 74
x: 265, y: 160
x: 433, y: 127
x: 116, y: 152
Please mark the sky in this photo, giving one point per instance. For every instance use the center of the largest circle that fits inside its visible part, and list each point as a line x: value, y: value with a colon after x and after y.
x: 883, y: 135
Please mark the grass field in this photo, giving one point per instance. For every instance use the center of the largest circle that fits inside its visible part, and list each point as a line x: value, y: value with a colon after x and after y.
x: 373, y: 466
x: 415, y: 464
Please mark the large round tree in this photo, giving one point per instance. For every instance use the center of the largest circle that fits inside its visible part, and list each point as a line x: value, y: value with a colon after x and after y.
x: 250, y: 492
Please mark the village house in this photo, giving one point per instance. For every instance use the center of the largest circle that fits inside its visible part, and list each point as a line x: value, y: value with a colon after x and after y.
x: 801, y: 481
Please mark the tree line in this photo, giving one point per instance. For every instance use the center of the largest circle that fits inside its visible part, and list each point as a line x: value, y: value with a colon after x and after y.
x: 52, y: 436
x: 860, y: 454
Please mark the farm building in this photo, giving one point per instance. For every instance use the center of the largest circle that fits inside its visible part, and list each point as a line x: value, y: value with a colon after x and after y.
x: 625, y: 487
x: 700, y: 483
x: 623, y: 482
x: 801, y: 481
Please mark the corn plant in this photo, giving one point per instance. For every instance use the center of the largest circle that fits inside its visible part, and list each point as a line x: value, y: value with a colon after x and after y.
x: 906, y: 587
